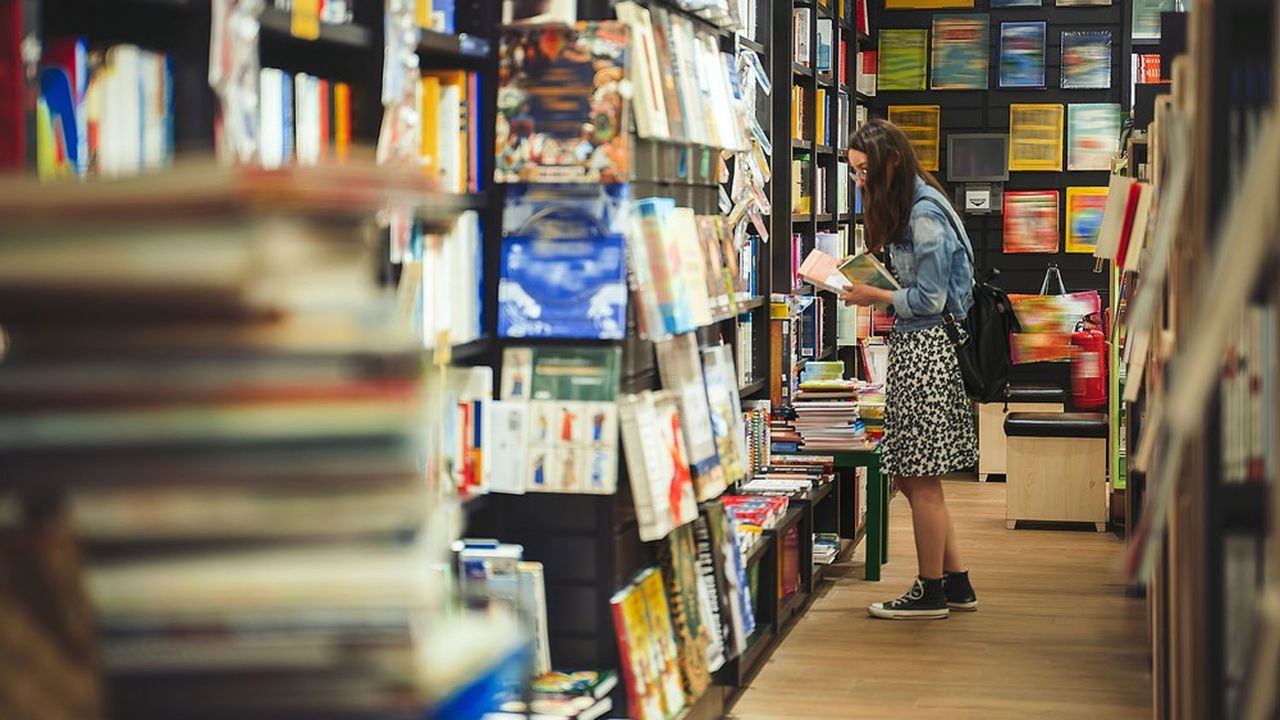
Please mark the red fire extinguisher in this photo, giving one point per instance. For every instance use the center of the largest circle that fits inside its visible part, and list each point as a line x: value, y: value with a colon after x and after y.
x: 1088, y: 363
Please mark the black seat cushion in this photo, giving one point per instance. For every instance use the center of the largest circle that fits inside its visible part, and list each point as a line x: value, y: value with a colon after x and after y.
x: 1069, y: 425
x: 1035, y: 394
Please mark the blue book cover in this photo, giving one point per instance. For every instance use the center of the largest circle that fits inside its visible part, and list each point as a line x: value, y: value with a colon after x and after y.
x: 444, y: 15
x: 563, y: 286
x: 286, y: 114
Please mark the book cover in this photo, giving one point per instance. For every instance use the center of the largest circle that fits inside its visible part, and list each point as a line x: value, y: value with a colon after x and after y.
x: 726, y: 412
x: 1093, y: 135
x: 562, y: 283
x: 686, y: 261
x: 532, y: 604
x: 672, y: 97
x: 960, y: 51
x: 864, y: 268
x: 1086, y: 59
x: 1035, y: 137
x: 1084, y: 217
x: 1031, y: 221
x: 508, y: 443
x: 922, y: 126
x: 822, y: 270
x: 659, y: 254
x: 636, y: 655
x: 648, y: 98
x: 538, y: 12
x: 681, y: 370
x: 561, y: 107
x: 697, y: 116
x: 737, y: 609
x: 903, y: 56
x: 664, y: 641
x: 1022, y: 47
x: 713, y: 598
x: 680, y: 571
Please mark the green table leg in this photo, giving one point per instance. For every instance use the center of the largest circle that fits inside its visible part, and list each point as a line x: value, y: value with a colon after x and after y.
x: 877, y: 521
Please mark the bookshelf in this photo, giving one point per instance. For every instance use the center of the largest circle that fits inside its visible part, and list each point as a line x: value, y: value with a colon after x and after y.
x: 1207, y: 488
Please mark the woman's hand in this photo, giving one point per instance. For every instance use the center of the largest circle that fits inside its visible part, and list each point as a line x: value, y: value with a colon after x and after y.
x: 863, y: 295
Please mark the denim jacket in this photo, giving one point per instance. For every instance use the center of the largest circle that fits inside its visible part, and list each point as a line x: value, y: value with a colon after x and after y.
x: 932, y: 266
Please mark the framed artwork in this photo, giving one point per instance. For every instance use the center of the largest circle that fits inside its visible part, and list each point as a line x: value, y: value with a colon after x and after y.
x: 926, y: 4
x: 1035, y: 137
x: 1031, y: 221
x: 1086, y: 60
x: 921, y: 124
x: 1084, y: 217
x: 960, y: 54
x: 1014, y: 3
x: 903, y: 58
x: 1146, y: 17
x: 1093, y: 135
x: 1022, y: 54
x: 1082, y: 3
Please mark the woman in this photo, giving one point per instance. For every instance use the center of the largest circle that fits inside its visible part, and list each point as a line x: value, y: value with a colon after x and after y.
x: 928, y: 420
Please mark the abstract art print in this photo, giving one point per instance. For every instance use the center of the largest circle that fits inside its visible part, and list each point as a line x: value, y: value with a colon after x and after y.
x: 1093, y: 135
x: 1084, y: 217
x: 903, y: 58
x: 1031, y: 221
x: 1035, y: 137
x: 1022, y: 54
x: 1086, y: 60
x: 960, y: 56
x: 1146, y: 17
x: 921, y: 124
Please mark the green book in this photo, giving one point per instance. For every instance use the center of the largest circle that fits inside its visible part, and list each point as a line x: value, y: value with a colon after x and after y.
x: 865, y: 269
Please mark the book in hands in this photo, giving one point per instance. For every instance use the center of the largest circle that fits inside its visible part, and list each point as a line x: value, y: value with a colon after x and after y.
x: 827, y: 273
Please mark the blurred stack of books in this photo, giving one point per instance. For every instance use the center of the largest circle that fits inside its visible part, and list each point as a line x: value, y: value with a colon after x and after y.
x: 208, y: 366
x: 871, y: 409
x: 826, y: 408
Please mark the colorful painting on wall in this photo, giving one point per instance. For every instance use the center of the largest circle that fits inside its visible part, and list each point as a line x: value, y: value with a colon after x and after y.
x: 1084, y: 217
x: 1031, y: 221
x: 1022, y: 54
x: 960, y: 51
x: 903, y: 59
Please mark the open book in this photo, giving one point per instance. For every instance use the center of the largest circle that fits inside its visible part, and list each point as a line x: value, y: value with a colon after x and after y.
x: 828, y: 273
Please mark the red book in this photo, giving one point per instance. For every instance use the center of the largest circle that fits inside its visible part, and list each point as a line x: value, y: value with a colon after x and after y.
x: 13, y: 125
x: 325, y: 137
x: 1130, y: 210
x: 842, y: 60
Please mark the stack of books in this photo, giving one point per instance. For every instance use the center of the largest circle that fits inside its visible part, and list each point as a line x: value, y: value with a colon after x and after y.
x: 206, y: 363
x: 826, y: 408
x: 871, y: 409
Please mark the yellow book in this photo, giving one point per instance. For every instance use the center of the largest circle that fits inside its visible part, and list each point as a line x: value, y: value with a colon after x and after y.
x: 429, y: 154
x: 341, y: 120
x: 423, y: 13
x: 822, y: 116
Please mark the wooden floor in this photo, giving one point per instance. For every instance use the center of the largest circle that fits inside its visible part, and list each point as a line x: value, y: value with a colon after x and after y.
x: 1055, y: 637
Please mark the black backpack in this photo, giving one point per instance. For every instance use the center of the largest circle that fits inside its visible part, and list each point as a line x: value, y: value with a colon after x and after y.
x: 985, y: 357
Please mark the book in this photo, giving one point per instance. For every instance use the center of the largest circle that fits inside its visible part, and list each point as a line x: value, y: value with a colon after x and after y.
x: 548, y: 130
x: 660, y: 628
x: 960, y: 51
x: 637, y: 653
x: 680, y: 572
x: 673, y: 100
x: 680, y: 368
x: 537, y: 12
x: 568, y: 281
x: 1022, y: 50
x: 661, y: 484
x: 726, y: 412
x: 648, y: 98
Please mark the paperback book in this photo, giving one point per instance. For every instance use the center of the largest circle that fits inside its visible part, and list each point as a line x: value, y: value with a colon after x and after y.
x: 681, y: 370
x: 653, y: 443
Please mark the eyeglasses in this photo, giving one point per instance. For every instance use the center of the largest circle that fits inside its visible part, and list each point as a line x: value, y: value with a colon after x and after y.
x: 861, y: 172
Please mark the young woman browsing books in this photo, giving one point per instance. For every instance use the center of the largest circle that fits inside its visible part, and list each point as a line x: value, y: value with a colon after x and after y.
x: 928, y: 421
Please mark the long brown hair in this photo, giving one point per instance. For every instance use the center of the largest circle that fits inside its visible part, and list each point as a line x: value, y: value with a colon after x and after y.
x: 889, y: 187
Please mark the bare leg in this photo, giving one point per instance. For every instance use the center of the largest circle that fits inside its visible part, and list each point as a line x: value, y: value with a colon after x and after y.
x: 930, y: 521
x: 951, y: 553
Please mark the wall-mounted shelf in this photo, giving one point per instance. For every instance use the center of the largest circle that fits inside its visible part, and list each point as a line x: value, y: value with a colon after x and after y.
x: 276, y: 22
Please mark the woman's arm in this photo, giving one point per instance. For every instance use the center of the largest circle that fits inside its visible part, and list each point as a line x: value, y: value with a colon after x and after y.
x: 933, y: 269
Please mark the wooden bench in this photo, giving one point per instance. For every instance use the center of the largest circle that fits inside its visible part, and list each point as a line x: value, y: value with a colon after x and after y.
x: 1057, y: 468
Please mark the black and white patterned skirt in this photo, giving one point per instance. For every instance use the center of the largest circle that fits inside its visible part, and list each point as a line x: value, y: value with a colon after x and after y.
x: 928, y: 419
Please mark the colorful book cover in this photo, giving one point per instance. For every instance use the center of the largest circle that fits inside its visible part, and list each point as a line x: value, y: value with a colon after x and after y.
x: 1086, y: 59
x: 638, y: 419
x: 660, y: 257
x: 664, y: 641
x: 726, y: 412
x: 1084, y: 217
x: 960, y: 51
x: 1031, y: 221
x: 1093, y: 135
x: 680, y: 571
x: 1022, y: 54
x: 865, y: 269
x: 563, y: 285
x: 636, y: 653
x: 672, y: 476
x: 903, y: 58
x: 681, y: 371
x: 562, y: 106
x: 1035, y: 137
x: 687, y: 263
x: 724, y: 538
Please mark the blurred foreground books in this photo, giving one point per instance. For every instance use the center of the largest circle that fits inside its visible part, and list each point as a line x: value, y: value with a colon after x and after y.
x: 208, y: 366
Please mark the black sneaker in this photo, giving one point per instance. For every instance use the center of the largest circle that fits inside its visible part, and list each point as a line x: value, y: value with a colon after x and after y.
x: 924, y: 601
x: 959, y: 592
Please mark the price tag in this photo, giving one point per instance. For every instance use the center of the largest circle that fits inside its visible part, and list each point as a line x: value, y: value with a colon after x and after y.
x: 305, y: 22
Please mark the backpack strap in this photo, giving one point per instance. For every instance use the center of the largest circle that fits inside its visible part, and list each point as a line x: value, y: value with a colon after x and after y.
x: 949, y: 320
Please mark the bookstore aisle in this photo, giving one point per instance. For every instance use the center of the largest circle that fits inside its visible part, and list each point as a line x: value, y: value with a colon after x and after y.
x: 1055, y: 637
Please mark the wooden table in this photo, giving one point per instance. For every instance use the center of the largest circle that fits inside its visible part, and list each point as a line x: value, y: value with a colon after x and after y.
x: 878, y: 494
